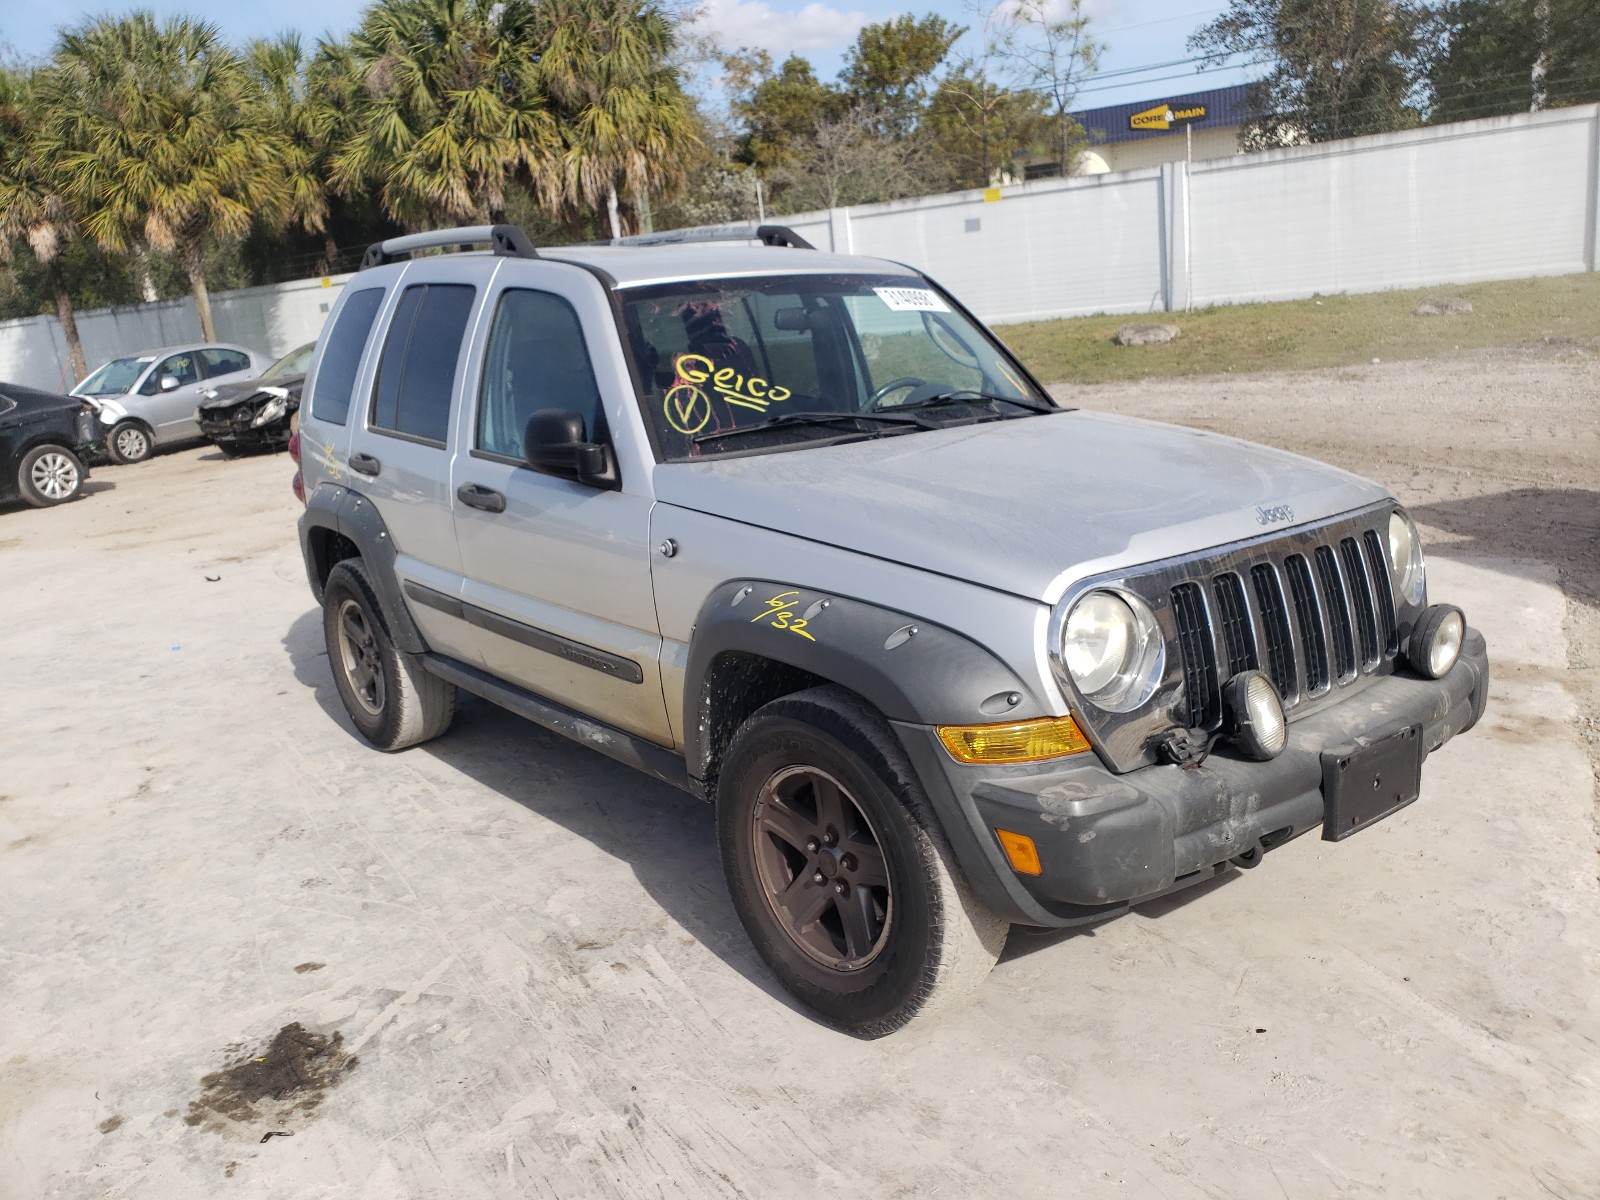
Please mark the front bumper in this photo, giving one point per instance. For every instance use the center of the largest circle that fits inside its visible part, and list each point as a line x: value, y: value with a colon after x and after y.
x: 1108, y: 840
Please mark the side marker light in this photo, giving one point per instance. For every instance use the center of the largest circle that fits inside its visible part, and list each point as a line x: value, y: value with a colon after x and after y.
x: 1020, y: 850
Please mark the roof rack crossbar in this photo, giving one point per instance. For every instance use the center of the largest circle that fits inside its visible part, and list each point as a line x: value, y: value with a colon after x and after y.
x: 505, y: 240
x: 782, y: 235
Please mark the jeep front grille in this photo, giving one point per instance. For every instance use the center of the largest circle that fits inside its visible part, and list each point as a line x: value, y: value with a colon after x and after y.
x: 1242, y: 618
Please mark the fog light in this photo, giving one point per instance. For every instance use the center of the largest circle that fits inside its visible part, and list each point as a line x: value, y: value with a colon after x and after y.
x: 1436, y: 640
x: 1255, y: 716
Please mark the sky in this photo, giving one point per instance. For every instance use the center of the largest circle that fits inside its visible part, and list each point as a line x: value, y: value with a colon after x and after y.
x: 1136, y: 33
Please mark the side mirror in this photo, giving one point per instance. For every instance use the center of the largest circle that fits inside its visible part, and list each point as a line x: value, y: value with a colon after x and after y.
x: 169, y: 383
x: 553, y: 443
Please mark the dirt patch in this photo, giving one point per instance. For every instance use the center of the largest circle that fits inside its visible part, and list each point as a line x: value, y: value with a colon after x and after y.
x: 304, y: 967
x: 112, y: 1123
x: 290, y: 1076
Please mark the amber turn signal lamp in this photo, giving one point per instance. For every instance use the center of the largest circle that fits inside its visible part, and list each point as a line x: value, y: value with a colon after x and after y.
x: 1023, y: 742
x: 1020, y: 850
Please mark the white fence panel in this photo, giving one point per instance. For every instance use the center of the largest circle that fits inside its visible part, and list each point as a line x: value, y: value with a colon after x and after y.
x: 1493, y: 199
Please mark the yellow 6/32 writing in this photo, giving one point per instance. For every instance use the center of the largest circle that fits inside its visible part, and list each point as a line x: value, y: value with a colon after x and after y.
x: 779, y: 613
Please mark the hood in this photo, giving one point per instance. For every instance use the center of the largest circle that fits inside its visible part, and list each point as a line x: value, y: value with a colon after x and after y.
x: 1024, y: 505
x: 229, y: 394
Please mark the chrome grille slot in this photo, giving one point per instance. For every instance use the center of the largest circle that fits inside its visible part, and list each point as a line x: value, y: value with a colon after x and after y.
x: 1238, y: 640
x: 1199, y: 662
x: 1313, y: 645
x: 1275, y: 629
x: 1340, y: 633
x: 1355, y: 568
x: 1378, y: 566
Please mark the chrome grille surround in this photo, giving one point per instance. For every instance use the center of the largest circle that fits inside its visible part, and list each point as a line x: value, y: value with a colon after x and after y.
x: 1249, y: 603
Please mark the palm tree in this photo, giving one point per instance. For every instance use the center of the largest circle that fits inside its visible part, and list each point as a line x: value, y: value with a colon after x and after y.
x: 625, y: 121
x: 32, y: 207
x: 163, y: 138
x: 451, y: 111
x: 284, y: 75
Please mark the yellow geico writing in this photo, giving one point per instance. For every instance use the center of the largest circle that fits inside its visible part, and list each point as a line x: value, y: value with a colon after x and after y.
x: 779, y: 613
x: 746, y: 391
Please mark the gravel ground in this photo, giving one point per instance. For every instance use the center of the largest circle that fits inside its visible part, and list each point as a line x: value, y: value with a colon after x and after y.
x: 501, y: 965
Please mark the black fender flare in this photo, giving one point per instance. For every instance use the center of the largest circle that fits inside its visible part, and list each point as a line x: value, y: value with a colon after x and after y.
x: 352, y: 516
x: 909, y: 669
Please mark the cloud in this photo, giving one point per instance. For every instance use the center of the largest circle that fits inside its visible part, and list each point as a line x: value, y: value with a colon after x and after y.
x: 756, y: 23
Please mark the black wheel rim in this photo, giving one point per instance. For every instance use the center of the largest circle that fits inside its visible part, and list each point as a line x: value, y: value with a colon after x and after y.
x: 821, y: 868
x: 359, y: 656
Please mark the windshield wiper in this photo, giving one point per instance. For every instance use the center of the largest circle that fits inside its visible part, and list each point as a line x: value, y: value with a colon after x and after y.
x: 813, y: 418
x: 972, y: 396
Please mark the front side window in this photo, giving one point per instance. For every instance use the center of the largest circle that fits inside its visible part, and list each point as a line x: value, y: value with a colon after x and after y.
x: 536, y: 360
x: 181, y: 367
x: 754, y: 364
x: 417, y: 372
x: 223, y: 362
x: 341, y: 358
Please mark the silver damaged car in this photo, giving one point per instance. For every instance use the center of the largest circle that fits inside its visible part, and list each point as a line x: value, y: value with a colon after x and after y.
x: 793, y: 531
x: 149, y: 400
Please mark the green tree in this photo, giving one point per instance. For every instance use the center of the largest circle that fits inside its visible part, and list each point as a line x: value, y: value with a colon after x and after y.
x: 779, y: 109
x: 977, y: 126
x: 451, y: 108
x: 161, y: 138
x: 1052, y: 52
x: 847, y: 160
x: 1493, y: 57
x: 890, y: 69
x: 627, y: 128
x: 33, y: 208
x: 1337, y: 68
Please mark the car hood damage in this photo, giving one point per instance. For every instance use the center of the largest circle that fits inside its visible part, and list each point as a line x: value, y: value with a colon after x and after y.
x: 227, y: 395
x: 1025, y: 505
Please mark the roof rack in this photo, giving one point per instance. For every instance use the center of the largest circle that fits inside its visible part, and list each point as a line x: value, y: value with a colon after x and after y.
x: 505, y: 240
x: 767, y: 235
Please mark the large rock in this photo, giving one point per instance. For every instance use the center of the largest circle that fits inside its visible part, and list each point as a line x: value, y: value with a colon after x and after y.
x: 1443, y: 306
x: 1145, y: 335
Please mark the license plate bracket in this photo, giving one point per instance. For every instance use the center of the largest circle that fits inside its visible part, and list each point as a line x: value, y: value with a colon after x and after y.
x: 1363, y: 784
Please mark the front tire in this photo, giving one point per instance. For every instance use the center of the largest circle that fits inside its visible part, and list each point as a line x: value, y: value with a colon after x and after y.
x: 129, y: 442
x: 393, y: 702
x: 839, y: 870
x: 49, y: 475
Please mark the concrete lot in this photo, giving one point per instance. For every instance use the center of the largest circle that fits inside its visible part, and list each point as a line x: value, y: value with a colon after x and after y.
x: 539, y: 988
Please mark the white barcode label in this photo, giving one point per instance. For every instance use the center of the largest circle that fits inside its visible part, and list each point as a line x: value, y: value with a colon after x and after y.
x: 910, y: 299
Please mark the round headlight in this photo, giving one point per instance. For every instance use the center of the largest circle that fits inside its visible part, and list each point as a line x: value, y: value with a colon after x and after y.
x: 1255, y: 715
x: 1111, y: 647
x: 1405, y: 555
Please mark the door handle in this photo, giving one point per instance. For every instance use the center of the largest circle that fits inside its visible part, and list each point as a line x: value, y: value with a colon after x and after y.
x: 475, y: 495
x: 365, y: 463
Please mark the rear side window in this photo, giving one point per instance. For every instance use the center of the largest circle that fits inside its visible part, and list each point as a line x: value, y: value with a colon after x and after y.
x: 418, y: 369
x: 222, y: 362
x: 536, y: 360
x: 341, y: 357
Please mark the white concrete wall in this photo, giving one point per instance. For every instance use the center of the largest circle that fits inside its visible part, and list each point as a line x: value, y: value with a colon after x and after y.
x: 1499, y: 198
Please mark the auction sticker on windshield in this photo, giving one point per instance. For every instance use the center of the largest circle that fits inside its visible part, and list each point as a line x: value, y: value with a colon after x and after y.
x: 910, y: 299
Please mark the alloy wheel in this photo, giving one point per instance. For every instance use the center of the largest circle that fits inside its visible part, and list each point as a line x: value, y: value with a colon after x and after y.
x: 55, y: 475
x: 821, y: 868
x: 132, y: 443
x: 361, y: 658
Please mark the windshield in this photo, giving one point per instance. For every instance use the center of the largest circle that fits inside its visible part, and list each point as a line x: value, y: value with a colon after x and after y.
x: 116, y: 377
x: 293, y: 363
x: 716, y: 357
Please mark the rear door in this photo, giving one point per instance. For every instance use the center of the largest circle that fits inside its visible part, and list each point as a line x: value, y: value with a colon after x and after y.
x: 399, y: 457
x: 557, y: 573
x: 222, y: 365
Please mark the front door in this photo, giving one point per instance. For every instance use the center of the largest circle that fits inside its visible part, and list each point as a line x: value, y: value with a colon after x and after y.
x: 557, y: 574
x: 171, y: 411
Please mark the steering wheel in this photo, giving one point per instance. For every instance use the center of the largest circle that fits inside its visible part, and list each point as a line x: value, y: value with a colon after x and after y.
x: 875, y: 402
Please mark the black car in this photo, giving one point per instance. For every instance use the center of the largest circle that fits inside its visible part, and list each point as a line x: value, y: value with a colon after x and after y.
x: 254, y: 414
x: 45, y: 440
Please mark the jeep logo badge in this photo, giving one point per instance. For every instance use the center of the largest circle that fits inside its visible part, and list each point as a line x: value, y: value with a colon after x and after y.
x: 1271, y: 516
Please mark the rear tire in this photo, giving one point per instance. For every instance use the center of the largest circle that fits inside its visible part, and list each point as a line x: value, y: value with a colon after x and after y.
x: 393, y: 702
x: 49, y: 475
x: 129, y: 442
x: 839, y: 870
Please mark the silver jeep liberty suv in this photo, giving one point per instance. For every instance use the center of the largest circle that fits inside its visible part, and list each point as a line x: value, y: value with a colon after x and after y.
x: 795, y: 532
